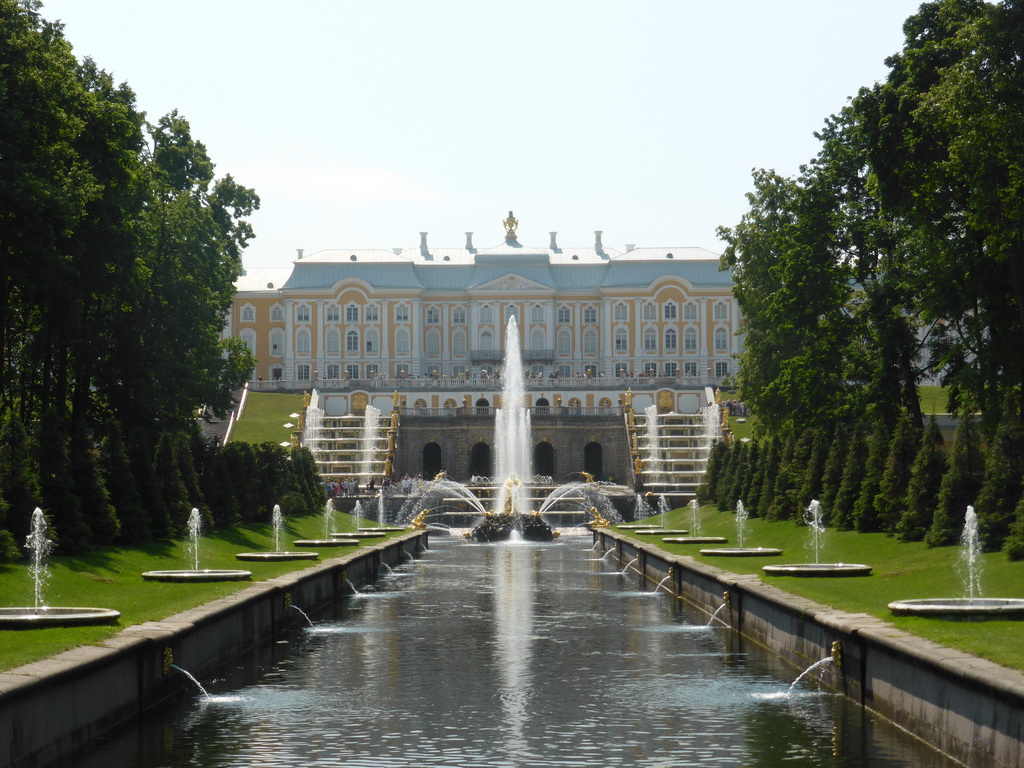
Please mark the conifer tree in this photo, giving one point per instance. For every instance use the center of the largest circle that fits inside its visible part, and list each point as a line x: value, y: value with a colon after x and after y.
x: 960, y: 484
x: 815, y: 474
x: 1004, y: 475
x: 853, y: 475
x: 723, y: 485
x: 865, y: 516
x: 922, y: 496
x: 1014, y: 545
x: 832, y: 477
x: 890, y: 502
x: 750, y: 474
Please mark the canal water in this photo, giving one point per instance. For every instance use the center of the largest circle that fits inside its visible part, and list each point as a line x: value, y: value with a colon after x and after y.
x: 514, y: 655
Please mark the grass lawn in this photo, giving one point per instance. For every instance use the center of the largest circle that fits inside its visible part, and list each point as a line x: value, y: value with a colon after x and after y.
x: 110, y: 578
x: 265, y: 415
x: 933, y: 399
x: 901, y: 570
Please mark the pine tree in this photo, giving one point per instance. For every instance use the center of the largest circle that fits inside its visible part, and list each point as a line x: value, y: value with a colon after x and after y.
x: 815, y: 474
x: 832, y: 477
x: 865, y: 517
x: 922, y: 498
x: 1014, y: 545
x: 849, y: 488
x: 960, y: 484
x: 1004, y: 474
x: 890, y: 503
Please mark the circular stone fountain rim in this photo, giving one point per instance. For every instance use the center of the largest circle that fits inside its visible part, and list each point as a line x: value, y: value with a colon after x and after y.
x: 51, y: 616
x: 742, y: 551
x: 818, y: 569
x: 198, y: 576
x: 279, y: 556
x: 350, y: 542
x: 952, y: 607
x: 696, y: 539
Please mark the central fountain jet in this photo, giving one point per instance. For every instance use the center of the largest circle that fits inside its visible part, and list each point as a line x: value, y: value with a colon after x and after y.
x: 513, y: 446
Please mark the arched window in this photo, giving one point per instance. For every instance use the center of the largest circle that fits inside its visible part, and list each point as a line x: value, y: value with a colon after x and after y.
x: 402, y: 342
x: 248, y: 336
x: 402, y: 313
x: 621, y: 340
x: 352, y: 313
x: 277, y: 314
x: 485, y: 314
x: 721, y: 340
x: 332, y: 343
x: 620, y: 312
x: 302, y: 342
x: 302, y: 313
x: 459, y: 343
x: 277, y: 343
x: 434, y: 343
x: 372, y: 341
x: 486, y: 341
x: 689, y: 311
x: 671, y: 339
x: 352, y: 342
x: 537, y: 314
x: 650, y: 340
x: 332, y: 313
x: 721, y: 311
x: 537, y: 339
x: 564, y: 343
x: 690, y: 339
x: 590, y: 343
x: 248, y: 314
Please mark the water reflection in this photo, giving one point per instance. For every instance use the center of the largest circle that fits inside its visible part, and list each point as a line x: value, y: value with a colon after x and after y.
x: 512, y: 655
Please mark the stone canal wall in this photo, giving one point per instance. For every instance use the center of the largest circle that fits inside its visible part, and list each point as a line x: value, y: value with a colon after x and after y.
x: 969, y: 708
x: 51, y: 708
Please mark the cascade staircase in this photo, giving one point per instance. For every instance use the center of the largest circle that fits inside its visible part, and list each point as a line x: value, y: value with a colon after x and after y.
x: 670, y: 455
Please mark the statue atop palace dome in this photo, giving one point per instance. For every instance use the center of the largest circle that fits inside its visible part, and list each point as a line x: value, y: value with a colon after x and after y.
x: 511, y: 223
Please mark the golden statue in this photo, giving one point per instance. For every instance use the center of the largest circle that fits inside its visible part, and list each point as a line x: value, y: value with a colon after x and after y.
x: 440, y: 475
x: 638, y: 465
x: 599, y: 521
x: 419, y: 522
x: 587, y: 476
x: 387, y: 467
x: 395, y: 400
x: 627, y: 399
x: 511, y: 223
x: 394, y: 419
x: 305, y: 399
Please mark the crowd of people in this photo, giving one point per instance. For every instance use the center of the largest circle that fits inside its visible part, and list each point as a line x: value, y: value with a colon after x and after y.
x: 348, y: 487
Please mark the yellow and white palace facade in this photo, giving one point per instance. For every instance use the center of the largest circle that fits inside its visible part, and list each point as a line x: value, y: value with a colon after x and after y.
x: 394, y: 317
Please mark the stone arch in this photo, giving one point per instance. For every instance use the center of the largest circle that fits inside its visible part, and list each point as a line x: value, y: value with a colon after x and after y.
x: 544, y: 459
x: 480, y: 460
x: 593, y: 459
x: 432, y: 460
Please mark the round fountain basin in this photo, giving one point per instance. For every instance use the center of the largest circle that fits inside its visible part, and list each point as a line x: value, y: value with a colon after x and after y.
x: 660, y: 531
x: 696, y: 540
x: 382, y: 528
x: 347, y: 542
x: 961, y: 609
x: 276, y: 557
x: 818, y: 569
x: 364, y: 533
x: 741, y: 552
x: 200, y: 576
x: 37, y: 618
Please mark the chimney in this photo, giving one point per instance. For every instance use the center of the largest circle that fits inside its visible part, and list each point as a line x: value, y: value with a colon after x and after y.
x: 423, y: 241
x: 299, y: 252
x: 630, y: 247
x: 597, y: 241
x: 397, y: 251
x: 469, y: 241
x: 554, y: 243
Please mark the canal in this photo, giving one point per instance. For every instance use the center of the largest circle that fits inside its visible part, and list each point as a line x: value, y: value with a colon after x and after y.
x: 511, y: 655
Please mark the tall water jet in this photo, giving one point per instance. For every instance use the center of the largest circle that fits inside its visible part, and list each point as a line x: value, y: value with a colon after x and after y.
x: 368, y: 443
x: 652, y: 458
x: 813, y: 521
x: 970, y: 555
x: 277, y: 526
x: 512, y: 421
x: 816, y: 526
x: 741, y: 523
x: 277, y: 522
x: 195, y: 529
x: 695, y: 518
x: 39, y: 547
x: 195, y: 574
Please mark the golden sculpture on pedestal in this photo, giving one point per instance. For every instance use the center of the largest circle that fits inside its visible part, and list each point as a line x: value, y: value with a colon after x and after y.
x: 511, y: 223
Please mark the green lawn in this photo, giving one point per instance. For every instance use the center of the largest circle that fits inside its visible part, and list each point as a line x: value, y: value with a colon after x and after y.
x: 902, y: 570
x: 265, y: 415
x: 110, y: 578
x: 933, y: 399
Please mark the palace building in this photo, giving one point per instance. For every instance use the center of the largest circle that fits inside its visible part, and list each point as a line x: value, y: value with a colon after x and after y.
x: 373, y: 314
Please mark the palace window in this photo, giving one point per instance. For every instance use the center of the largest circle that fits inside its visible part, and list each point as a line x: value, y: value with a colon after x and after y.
x: 650, y: 340
x: 372, y: 342
x: 511, y: 312
x: 332, y: 313
x: 671, y: 339
x: 721, y: 369
x: 332, y: 371
x: 352, y: 313
x: 650, y: 312
x: 277, y: 314
x: 563, y: 371
x: 352, y: 342
x: 372, y: 313
x: 486, y: 341
x: 690, y: 339
x: 434, y: 344
x: 402, y: 370
x: 302, y: 372
x: 689, y: 311
x: 332, y: 343
x: 433, y: 316
x: 248, y: 335
x: 302, y: 342
x: 690, y: 369
x: 277, y: 343
x: 537, y: 314
x: 402, y: 342
x: 302, y: 313
x: 721, y: 340
x: 459, y: 343
x: 402, y: 313
x: 371, y: 370
x: 621, y: 369
x: 564, y: 315
x: 459, y: 316
x: 590, y: 315
x: 564, y: 343
x: 537, y: 339
x: 671, y: 369
x: 621, y: 312
x: 248, y: 314
x: 621, y: 340
x: 486, y: 314
x: 590, y: 343
x: 352, y: 370
x: 721, y: 311
x: 670, y: 310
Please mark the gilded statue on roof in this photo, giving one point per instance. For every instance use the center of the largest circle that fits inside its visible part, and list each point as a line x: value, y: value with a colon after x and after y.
x: 511, y: 223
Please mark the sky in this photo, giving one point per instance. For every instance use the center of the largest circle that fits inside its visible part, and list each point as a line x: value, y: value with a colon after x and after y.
x: 362, y: 123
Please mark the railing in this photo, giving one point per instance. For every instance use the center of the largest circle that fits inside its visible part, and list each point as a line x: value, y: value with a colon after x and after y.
x: 489, y: 411
x: 485, y: 355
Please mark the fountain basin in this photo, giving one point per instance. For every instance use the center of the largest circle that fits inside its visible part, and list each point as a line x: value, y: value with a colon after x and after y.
x: 346, y: 542
x: 660, y: 531
x: 381, y: 528
x: 199, y: 576
x: 276, y: 556
x: 362, y: 533
x: 741, y: 552
x: 961, y: 609
x: 38, y: 618
x: 818, y: 569
x: 696, y: 540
